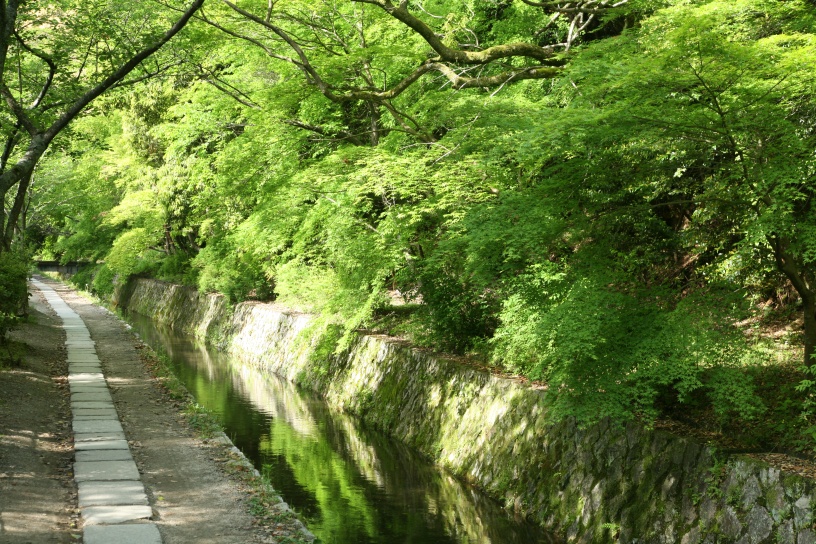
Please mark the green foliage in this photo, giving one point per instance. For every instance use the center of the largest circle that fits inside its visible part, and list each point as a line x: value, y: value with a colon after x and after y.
x: 104, y: 281
x: 125, y: 257
x: 611, y: 353
x: 608, y: 231
x: 14, y: 272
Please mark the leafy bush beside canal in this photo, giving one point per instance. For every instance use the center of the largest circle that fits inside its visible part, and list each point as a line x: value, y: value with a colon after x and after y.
x: 15, y: 269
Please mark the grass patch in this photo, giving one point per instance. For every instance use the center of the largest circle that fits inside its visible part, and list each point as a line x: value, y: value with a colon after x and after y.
x: 205, y: 422
x: 11, y: 354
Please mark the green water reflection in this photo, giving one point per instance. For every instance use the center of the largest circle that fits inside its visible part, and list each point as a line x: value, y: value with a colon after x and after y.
x: 351, y: 485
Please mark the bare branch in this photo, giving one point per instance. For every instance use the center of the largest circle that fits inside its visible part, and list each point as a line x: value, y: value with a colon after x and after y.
x: 229, y: 90
x: 52, y: 69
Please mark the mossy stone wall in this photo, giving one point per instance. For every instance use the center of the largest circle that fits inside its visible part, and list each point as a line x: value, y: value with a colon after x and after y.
x: 601, y: 484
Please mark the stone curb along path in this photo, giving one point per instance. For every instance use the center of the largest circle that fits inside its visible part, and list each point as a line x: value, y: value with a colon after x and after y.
x: 112, y: 498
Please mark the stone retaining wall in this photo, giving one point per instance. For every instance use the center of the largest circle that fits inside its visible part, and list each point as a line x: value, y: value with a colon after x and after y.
x: 601, y: 484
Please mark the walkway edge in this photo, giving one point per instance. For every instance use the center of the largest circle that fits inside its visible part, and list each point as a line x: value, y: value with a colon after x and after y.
x: 112, y: 499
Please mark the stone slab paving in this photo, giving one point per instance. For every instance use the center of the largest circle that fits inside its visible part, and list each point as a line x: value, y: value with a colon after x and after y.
x: 84, y: 358
x: 105, y: 471
x: 87, y: 387
x: 143, y: 533
x: 98, y: 441
x: 105, y: 412
x: 110, y: 444
x: 98, y: 515
x: 92, y: 426
x: 91, y: 405
x: 111, y: 495
x: 81, y: 366
x: 102, y: 396
x: 104, y: 455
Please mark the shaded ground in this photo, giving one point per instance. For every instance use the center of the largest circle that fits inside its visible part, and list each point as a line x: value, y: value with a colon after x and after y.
x: 193, y: 496
x: 37, y: 490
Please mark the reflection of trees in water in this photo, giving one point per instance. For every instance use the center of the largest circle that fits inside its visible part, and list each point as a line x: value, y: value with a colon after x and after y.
x: 358, y: 484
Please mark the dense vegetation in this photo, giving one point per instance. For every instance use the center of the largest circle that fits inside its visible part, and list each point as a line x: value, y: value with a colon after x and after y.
x: 612, y: 197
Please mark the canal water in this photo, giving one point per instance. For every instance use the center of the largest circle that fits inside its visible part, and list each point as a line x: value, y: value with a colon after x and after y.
x: 351, y: 485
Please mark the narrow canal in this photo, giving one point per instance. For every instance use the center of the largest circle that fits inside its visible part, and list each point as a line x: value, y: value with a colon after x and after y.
x: 349, y: 484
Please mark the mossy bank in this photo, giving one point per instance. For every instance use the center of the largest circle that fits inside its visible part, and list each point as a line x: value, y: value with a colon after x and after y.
x: 599, y: 484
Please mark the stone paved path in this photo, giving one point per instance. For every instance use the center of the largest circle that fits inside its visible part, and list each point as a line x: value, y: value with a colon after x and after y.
x: 111, y: 495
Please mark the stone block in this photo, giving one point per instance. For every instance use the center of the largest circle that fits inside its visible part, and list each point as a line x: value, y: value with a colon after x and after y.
x: 806, y: 537
x: 108, y: 444
x: 730, y: 524
x: 103, y: 455
x: 97, y: 436
x: 692, y: 537
x: 802, y: 512
x: 109, y: 417
x: 81, y: 351
x: 97, y: 426
x: 107, y: 515
x: 110, y: 411
x: 88, y: 388
x: 86, y: 377
x: 105, y: 470
x: 124, y: 492
x: 89, y: 344
x: 759, y: 524
x: 91, y: 405
x: 102, y: 396
x: 785, y: 534
x: 141, y: 533
x: 83, y: 358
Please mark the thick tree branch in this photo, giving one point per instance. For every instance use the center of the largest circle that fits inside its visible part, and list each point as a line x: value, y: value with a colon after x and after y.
x: 457, y: 56
x: 457, y: 80
x: 303, y: 64
x: 593, y: 7
x: 20, y: 174
x: 17, y: 110
x: 122, y: 72
x: 8, y: 18
x: 337, y: 135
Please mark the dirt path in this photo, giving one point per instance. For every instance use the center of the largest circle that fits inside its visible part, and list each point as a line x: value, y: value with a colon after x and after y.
x: 37, y: 491
x: 193, y: 499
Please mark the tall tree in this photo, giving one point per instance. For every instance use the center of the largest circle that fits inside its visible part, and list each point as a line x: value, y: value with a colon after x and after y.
x: 57, y: 58
x: 363, y: 59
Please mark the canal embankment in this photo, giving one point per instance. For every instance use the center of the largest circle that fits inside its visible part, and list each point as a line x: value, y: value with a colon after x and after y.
x: 596, y: 484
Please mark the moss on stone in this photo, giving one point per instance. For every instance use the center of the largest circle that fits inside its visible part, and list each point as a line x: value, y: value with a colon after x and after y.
x: 489, y: 431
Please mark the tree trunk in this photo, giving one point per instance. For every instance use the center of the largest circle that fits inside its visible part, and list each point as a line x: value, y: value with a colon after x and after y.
x: 810, y: 332
x: 801, y: 280
x: 20, y: 175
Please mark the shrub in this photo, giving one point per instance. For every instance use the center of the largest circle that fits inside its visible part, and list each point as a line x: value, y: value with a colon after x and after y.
x: 14, y: 272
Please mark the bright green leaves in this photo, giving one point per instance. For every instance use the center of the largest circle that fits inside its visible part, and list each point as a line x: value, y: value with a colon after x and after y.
x: 124, y: 258
x: 580, y: 231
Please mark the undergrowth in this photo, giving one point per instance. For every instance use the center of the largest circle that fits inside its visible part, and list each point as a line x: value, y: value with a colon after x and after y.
x: 766, y: 404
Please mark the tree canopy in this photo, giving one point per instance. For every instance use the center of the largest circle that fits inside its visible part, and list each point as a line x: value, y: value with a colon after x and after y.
x: 609, y: 197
